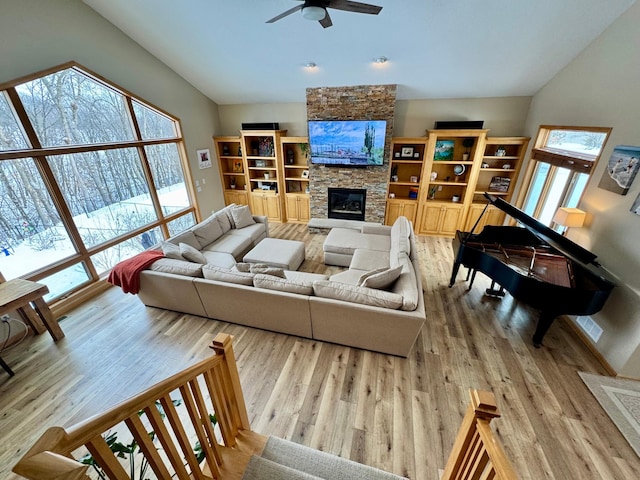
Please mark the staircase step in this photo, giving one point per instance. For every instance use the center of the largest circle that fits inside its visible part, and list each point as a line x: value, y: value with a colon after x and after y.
x: 320, y: 464
x: 262, y: 469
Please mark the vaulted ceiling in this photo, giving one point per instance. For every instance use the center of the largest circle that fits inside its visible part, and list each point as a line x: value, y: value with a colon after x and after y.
x: 435, y: 48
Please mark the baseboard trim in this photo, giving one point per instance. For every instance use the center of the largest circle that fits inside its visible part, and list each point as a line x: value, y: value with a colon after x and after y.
x: 589, y: 344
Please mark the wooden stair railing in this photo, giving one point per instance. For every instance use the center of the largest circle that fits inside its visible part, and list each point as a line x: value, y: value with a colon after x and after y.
x: 216, y: 378
x: 476, y: 453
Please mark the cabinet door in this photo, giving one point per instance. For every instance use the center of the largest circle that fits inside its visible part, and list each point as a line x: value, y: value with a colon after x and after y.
x: 304, y: 208
x: 394, y: 210
x: 409, y: 210
x: 238, y: 197
x: 292, y: 207
x: 450, y: 220
x: 493, y: 216
x: 430, y: 218
x: 272, y: 207
x: 257, y: 204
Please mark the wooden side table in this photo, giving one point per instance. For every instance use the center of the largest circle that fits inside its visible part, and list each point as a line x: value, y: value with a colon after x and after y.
x: 19, y: 294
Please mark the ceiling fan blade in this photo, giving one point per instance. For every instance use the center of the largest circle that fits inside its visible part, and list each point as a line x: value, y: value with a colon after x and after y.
x: 358, y: 7
x: 285, y: 14
x: 326, y: 21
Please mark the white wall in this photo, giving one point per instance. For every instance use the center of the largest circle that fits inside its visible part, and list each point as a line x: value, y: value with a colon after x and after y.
x: 37, y: 34
x: 601, y: 87
x: 504, y: 116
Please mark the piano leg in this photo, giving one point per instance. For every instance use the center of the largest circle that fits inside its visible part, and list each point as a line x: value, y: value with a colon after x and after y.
x: 544, y: 322
x: 454, y: 273
x: 473, y: 277
x: 494, y: 292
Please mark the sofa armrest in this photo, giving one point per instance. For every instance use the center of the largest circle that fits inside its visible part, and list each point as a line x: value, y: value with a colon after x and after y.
x: 376, y: 229
x: 262, y: 219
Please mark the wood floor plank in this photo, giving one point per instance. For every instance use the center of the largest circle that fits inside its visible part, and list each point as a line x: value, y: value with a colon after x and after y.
x: 390, y: 412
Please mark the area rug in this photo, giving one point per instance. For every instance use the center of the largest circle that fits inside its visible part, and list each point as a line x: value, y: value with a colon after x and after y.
x: 620, y: 399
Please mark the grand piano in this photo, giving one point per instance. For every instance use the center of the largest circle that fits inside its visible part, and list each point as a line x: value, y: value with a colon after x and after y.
x: 535, y: 264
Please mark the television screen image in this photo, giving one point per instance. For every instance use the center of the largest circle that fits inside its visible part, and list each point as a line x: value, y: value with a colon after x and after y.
x: 347, y: 142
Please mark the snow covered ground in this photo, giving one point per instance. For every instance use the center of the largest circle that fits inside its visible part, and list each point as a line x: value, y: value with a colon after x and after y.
x: 28, y: 256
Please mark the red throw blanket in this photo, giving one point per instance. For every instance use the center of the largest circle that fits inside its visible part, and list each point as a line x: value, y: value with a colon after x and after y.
x: 126, y: 274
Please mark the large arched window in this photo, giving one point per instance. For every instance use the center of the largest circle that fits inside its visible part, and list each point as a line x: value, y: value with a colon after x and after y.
x: 89, y: 175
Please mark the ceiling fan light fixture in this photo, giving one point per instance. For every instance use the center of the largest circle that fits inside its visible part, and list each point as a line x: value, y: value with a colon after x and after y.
x: 310, y: 65
x: 381, y: 59
x: 314, y: 13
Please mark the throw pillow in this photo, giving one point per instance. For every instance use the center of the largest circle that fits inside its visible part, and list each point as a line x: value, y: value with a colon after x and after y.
x: 267, y: 270
x: 171, y: 250
x: 366, y: 275
x: 243, y: 267
x: 220, y: 274
x: 355, y: 294
x: 192, y: 254
x: 207, y: 232
x: 242, y: 216
x: 185, y: 237
x: 177, y: 267
x: 270, y: 282
x: 382, y: 279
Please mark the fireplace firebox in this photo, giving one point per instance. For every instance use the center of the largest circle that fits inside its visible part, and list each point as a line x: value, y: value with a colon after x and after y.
x: 347, y: 203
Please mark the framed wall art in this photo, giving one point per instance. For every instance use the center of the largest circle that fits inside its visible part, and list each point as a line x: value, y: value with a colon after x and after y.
x: 621, y: 170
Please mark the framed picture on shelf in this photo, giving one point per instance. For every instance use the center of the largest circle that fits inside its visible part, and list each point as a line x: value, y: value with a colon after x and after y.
x: 261, y: 163
x: 237, y: 166
x: 305, y: 174
x: 499, y: 184
x: 406, y: 152
x: 444, y: 150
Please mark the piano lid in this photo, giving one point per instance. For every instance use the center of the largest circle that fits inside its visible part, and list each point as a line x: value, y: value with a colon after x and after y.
x: 548, y: 235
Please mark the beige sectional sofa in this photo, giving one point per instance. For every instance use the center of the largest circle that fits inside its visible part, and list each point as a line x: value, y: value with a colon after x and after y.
x: 337, y: 309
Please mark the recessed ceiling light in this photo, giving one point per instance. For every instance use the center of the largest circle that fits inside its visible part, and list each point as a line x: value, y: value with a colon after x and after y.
x: 310, y: 65
x: 380, y: 59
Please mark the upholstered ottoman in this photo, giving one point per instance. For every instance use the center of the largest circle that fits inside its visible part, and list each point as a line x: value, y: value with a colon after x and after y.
x: 285, y: 254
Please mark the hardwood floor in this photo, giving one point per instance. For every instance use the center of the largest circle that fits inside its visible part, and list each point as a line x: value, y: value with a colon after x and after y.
x: 393, y: 413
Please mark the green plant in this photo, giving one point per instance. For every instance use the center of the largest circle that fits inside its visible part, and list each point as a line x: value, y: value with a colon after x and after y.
x: 304, y: 148
x: 131, y: 450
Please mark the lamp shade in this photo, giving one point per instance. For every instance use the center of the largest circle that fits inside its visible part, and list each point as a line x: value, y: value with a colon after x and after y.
x: 314, y: 13
x: 569, y: 217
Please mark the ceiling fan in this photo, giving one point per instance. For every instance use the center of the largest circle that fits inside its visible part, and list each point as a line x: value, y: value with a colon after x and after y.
x: 317, y: 10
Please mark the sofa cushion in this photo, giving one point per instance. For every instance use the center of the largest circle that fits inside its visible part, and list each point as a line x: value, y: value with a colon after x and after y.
x: 380, y: 279
x: 400, y: 231
x: 344, y: 240
x: 223, y: 218
x: 185, y: 237
x: 177, y: 267
x: 227, y: 211
x: 351, y: 276
x: 356, y: 294
x: 207, y: 231
x: 406, y: 285
x: 271, y: 282
x: 236, y: 245
x: 268, y: 270
x: 256, y: 232
x: 304, y: 276
x: 192, y: 254
x: 369, y: 260
x: 219, y: 259
x: 241, y: 216
x: 211, y: 272
x: 171, y: 250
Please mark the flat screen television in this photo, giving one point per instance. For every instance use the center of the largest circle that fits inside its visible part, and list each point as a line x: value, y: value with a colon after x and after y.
x: 349, y: 143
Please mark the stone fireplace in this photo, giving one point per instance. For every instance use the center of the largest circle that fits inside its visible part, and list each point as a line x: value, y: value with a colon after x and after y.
x: 346, y: 203
x: 365, y: 102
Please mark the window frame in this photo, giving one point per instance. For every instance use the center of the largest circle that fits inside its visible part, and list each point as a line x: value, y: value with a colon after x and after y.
x: 40, y: 154
x: 576, y: 162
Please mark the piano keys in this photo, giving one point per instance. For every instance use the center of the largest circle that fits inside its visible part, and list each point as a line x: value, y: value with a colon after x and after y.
x: 536, y: 265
